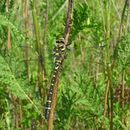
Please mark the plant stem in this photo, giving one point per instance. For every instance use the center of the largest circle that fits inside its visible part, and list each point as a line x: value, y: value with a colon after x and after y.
x: 66, y: 38
x: 27, y: 65
x: 115, y: 53
x: 41, y: 65
x: 9, y: 35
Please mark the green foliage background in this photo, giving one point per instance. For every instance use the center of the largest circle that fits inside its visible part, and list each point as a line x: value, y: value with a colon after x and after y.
x: 84, y: 75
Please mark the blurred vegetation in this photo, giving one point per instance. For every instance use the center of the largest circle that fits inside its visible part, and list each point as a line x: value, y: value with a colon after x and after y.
x: 96, y: 65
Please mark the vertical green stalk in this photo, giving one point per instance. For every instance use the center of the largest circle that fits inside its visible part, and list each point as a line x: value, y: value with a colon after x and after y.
x: 109, y: 88
x: 36, y: 27
x: 41, y: 65
x: 38, y: 43
x: 7, y: 116
x: 26, y: 20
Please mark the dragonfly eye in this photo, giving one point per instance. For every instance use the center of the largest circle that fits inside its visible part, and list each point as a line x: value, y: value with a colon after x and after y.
x: 60, y: 40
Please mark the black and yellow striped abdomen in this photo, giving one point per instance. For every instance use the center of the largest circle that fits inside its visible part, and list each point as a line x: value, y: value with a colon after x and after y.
x: 59, y: 53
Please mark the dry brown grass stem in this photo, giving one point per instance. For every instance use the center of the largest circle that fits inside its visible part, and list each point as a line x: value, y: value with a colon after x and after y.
x: 56, y: 84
